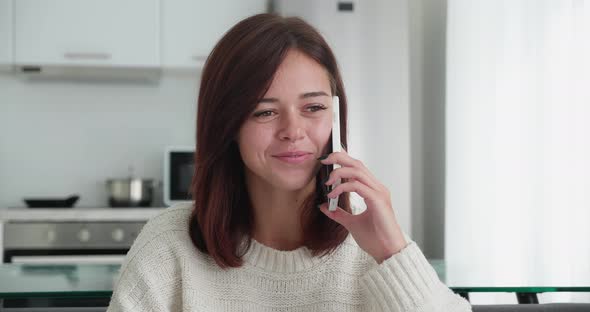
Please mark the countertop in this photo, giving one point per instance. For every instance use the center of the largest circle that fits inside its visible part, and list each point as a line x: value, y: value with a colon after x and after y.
x: 78, y: 214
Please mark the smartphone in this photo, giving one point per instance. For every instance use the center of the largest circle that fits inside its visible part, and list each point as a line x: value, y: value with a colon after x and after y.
x: 336, y: 147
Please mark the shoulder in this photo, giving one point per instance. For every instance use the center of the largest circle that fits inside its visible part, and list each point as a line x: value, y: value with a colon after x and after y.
x: 165, y: 235
x: 164, y: 248
x: 155, y: 260
x: 174, y: 218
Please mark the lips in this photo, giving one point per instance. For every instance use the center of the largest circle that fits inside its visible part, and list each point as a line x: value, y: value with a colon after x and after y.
x: 294, y: 157
x: 292, y: 154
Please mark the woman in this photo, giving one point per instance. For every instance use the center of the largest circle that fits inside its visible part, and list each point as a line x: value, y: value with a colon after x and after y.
x: 255, y: 238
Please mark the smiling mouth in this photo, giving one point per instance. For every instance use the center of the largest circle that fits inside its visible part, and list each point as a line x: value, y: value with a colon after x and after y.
x: 297, y: 159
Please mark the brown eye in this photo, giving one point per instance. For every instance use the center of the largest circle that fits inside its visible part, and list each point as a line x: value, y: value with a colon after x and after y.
x: 263, y: 114
x: 316, y: 108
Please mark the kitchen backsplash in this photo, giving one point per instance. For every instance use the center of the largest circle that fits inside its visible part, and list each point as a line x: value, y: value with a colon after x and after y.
x: 63, y: 137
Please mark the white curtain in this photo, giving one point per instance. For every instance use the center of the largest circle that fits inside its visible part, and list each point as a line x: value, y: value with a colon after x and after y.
x: 518, y: 143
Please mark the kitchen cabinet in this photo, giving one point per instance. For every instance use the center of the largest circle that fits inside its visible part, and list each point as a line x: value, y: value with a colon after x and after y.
x: 190, y: 28
x: 116, y: 33
x: 6, y: 34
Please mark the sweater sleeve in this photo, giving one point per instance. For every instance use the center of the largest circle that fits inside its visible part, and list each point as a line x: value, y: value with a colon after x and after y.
x: 406, y: 282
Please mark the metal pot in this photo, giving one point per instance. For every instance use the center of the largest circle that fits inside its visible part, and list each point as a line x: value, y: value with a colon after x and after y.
x: 130, y: 192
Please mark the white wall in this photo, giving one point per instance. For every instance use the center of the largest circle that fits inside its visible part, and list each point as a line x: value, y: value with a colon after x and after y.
x: 385, y: 100
x: 427, y: 76
x: 59, y: 138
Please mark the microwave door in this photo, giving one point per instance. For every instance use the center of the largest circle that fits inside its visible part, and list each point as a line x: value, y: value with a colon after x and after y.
x: 182, y: 173
x: 185, y: 176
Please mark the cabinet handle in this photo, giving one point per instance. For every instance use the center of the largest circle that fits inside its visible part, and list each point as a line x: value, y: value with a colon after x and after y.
x: 87, y: 56
x: 199, y: 58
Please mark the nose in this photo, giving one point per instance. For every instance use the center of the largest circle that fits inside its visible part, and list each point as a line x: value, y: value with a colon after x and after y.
x: 292, y: 127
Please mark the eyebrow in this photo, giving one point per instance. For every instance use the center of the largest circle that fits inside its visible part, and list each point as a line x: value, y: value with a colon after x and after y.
x: 301, y: 96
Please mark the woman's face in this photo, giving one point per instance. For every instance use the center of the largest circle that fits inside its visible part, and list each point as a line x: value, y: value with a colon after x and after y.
x: 293, y: 116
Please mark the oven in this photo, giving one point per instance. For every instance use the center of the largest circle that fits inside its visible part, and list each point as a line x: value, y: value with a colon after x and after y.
x: 62, y: 243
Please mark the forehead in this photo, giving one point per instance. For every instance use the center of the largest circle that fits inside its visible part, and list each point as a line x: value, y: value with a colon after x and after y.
x: 298, y: 73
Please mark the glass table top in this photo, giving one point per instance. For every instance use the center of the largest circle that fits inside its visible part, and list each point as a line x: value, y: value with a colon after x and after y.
x: 478, y: 277
x: 63, y: 280
x: 98, y: 280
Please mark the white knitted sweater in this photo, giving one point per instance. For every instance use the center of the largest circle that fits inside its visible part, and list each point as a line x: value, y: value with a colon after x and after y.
x: 163, y: 271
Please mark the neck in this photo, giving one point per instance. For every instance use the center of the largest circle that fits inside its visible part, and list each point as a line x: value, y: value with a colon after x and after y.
x: 277, y: 213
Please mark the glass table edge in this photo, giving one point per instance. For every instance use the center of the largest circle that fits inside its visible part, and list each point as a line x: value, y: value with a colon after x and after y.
x: 56, y: 294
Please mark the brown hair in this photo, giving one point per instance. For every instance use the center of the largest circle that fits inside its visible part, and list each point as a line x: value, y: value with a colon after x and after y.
x: 237, y: 74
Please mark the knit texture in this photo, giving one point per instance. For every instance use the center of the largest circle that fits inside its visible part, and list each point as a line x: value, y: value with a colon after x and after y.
x: 163, y: 271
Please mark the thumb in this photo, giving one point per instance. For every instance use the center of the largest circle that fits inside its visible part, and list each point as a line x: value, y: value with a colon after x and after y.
x: 339, y: 215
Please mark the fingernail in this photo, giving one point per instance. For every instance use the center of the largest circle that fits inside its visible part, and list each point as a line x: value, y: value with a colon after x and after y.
x: 323, y: 157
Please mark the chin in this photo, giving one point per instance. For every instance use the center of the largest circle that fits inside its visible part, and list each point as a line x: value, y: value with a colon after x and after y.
x: 293, y: 183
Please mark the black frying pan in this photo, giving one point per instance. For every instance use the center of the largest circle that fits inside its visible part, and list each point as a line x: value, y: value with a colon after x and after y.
x: 51, y: 202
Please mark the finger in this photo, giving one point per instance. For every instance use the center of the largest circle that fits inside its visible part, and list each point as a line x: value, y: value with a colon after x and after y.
x: 361, y: 165
x: 364, y: 191
x: 339, y: 215
x: 341, y: 158
x: 354, y: 174
x: 344, y: 160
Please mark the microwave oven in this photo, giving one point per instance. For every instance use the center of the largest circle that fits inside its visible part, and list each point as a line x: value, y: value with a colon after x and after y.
x: 179, y: 167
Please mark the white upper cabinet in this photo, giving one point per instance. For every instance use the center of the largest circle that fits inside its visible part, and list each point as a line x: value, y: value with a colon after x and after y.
x: 190, y: 28
x: 6, y: 34
x: 120, y: 33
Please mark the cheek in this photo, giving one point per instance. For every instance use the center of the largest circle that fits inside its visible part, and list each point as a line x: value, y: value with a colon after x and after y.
x: 322, y: 133
x: 254, y: 139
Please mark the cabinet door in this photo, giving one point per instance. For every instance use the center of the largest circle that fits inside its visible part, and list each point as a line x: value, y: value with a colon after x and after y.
x: 87, y: 32
x: 6, y: 34
x: 192, y: 27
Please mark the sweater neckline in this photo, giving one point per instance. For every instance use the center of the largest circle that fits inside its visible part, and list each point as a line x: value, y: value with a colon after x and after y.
x: 281, y: 261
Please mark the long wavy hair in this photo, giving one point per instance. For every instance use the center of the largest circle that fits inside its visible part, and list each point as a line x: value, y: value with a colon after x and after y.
x: 236, y: 75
